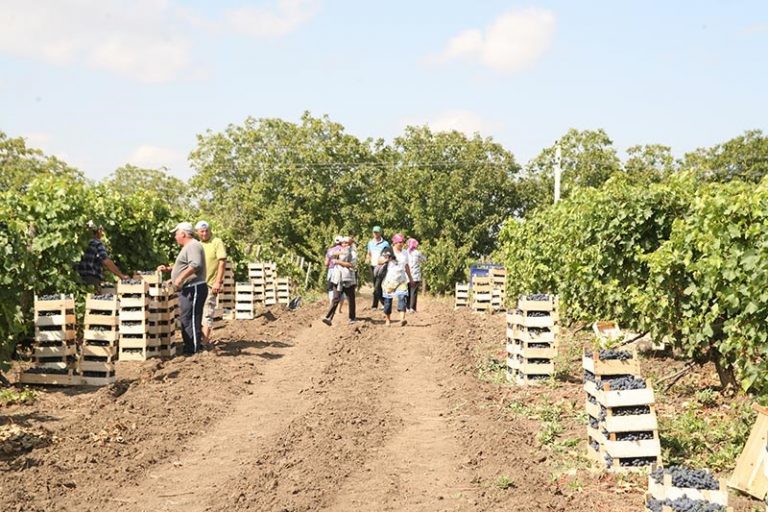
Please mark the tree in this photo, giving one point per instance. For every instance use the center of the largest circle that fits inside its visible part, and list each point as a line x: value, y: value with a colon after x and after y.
x: 130, y: 179
x: 19, y: 164
x: 742, y: 158
x: 651, y: 162
x: 449, y: 190
x: 588, y: 159
x: 285, y: 185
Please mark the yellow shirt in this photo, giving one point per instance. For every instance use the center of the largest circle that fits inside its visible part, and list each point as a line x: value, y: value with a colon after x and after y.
x: 214, y: 251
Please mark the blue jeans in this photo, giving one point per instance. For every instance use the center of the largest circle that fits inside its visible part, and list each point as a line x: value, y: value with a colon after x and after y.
x: 402, y: 300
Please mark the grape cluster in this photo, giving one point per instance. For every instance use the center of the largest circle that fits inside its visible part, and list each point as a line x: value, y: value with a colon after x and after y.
x: 684, y: 504
x: 591, y: 399
x: 538, y: 377
x: 537, y: 331
x: 687, y: 477
x: 103, y: 296
x: 147, y: 272
x: 631, y: 410
x: 633, y: 436
x: 589, y: 376
x: 132, y: 295
x: 99, y: 327
x: 594, y: 445
x: 129, y: 323
x: 53, y: 297
x: 538, y: 345
x: 101, y: 312
x: 131, y: 281
x: 49, y: 313
x: 536, y: 296
x: 593, y: 423
x: 538, y: 361
x: 612, y: 354
x: 623, y: 383
x: 637, y: 462
x: 55, y: 371
x: 537, y: 314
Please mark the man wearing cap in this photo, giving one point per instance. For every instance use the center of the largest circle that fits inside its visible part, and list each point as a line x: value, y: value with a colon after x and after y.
x: 95, y: 258
x: 215, y: 261
x: 188, y: 276
x: 375, y: 246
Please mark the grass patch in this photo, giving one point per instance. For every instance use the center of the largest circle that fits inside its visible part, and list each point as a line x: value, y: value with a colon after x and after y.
x: 504, y: 483
x: 492, y: 370
x: 11, y: 396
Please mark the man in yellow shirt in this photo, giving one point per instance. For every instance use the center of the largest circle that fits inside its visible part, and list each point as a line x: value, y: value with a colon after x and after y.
x: 215, y: 260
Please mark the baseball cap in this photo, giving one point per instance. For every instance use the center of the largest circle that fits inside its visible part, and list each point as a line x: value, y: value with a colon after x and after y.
x: 377, y: 229
x: 202, y: 225
x: 345, y: 239
x: 184, y: 226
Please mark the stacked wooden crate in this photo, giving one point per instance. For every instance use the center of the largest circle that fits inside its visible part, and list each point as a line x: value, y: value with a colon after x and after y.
x: 622, y: 428
x: 163, y: 312
x: 248, y: 297
x: 461, y: 295
x: 283, y: 286
x: 498, y: 278
x: 270, y: 284
x: 54, y: 347
x: 138, y: 341
x: 226, y: 299
x: 482, y: 294
x: 532, y: 339
x: 96, y: 364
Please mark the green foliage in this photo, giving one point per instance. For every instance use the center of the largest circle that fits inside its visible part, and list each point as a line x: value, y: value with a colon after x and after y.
x: 710, y: 286
x: 742, y: 158
x: 292, y: 187
x: 20, y: 164
x: 587, y: 159
x: 712, y: 441
x: 129, y: 180
x: 11, y: 396
x: 589, y: 249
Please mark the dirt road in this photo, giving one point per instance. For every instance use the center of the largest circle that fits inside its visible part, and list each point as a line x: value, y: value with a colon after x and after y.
x: 292, y: 415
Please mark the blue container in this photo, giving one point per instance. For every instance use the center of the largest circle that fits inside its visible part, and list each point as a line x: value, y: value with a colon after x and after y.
x: 481, y: 270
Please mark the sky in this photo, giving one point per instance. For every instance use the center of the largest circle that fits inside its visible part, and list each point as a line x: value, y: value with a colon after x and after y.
x: 102, y: 83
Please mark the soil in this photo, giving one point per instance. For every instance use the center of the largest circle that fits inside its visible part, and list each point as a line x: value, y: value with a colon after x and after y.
x: 288, y: 414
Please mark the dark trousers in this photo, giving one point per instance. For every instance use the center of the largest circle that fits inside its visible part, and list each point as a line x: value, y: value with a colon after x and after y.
x: 191, y: 303
x: 349, y: 291
x: 413, y: 294
x: 377, y: 293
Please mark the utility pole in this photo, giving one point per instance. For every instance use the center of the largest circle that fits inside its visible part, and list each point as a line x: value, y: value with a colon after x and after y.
x: 558, y: 171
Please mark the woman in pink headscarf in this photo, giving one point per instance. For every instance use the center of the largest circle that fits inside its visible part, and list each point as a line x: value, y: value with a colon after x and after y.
x: 395, y: 285
x: 415, y: 259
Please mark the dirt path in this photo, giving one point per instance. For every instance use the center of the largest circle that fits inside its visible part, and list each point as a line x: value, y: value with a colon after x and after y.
x: 292, y: 415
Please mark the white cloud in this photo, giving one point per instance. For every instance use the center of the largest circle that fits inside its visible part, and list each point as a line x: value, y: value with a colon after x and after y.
x: 140, y: 39
x: 460, y: 120
x: 154, y: 157
x: 279, y: 20
x: 511, y: 43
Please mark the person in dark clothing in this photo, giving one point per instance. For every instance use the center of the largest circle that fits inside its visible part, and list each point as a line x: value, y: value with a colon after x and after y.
x: 95, y: 258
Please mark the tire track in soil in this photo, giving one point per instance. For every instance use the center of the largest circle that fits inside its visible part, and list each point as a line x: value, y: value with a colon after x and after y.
x: 195, y: 480
x: 417, y: 469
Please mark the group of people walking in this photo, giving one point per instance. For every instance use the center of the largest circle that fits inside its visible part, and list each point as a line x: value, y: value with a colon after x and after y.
x: 395, y: 271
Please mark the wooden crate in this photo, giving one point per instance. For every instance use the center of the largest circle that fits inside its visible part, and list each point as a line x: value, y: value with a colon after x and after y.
x: 592, y: 363
x: 751, y: 472
x: 138, y: 353
x: 526, y: 305
x: 50, y: 379
x: 130, y: 288
x: 461, y: 295
x: 665, y: 490
x: 62, y: 303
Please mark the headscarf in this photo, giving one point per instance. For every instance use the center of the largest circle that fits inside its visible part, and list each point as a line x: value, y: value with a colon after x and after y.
x: 398, y: 238
x: 412, y: 244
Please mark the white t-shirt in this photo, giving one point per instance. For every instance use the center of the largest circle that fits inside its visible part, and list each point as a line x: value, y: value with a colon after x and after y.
x: 396, y: 268
x: 415, y: 258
